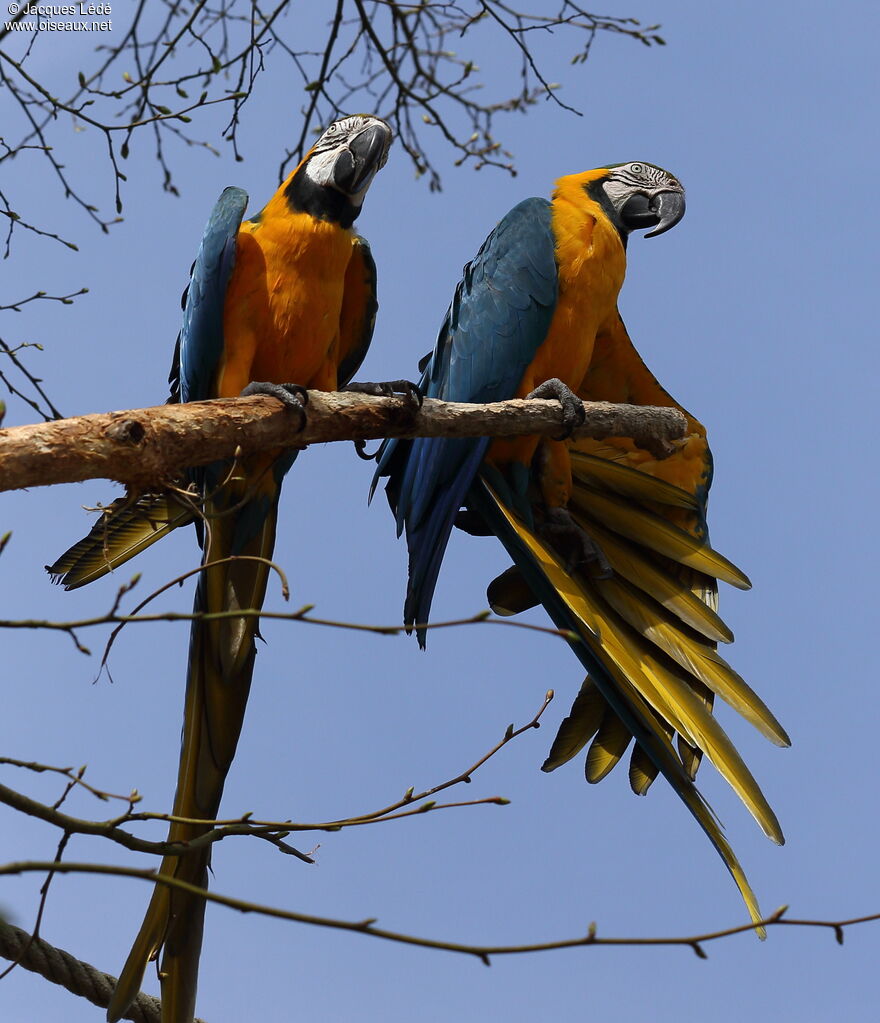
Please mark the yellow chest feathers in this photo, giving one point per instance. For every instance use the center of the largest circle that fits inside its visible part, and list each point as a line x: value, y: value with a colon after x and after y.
x: 284, y: 301
x: 298, y: 264
x: 591, y: 263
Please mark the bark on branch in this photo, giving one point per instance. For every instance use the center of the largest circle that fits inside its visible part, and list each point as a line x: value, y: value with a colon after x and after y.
x: 149, y: 447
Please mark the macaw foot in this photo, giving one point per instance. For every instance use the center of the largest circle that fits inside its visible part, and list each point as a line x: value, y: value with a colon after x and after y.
x: 388, y: 389
x: 573, y: 413
x: 577, y: 547
x: 384, y: 389
x: 292, y: 396
x: 360, y: 449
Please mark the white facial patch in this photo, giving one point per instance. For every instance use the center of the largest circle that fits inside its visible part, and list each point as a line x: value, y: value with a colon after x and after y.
x: 336, y: 138
x: 642, y: 178
x: 320, y: 167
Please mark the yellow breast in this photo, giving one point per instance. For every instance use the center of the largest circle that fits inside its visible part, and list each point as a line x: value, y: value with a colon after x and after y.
x: 591, y: 262
x: 284, y: 301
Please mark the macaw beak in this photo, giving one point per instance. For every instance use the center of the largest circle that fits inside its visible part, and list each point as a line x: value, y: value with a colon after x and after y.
x: 661, y: 211
x: 366, y: 153
x: 669, y: 207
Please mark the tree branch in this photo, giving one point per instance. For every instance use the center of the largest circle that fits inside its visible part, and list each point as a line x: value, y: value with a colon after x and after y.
x: 400, y: 59
x: 151, y: 447
x: 482, y: 952
x: 411, y: 803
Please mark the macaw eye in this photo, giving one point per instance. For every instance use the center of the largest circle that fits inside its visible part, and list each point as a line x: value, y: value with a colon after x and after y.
x: 637, y: 168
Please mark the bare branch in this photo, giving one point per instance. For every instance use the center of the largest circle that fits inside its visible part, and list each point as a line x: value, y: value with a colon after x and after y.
x: 410, y: 804
x: 73, y: 774
x: 151, y: 447
x: 82, y: 979
x: 398, y: 59
x: 302, y: 615
x: 484, y: 953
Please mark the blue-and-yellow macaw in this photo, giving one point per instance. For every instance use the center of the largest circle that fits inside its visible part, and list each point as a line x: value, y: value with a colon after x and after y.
x: 289, y: 295
x: 611, y: 540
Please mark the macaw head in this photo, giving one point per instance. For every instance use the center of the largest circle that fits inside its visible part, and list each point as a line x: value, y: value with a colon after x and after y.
x: 641, y: 196
x: 333, y: 178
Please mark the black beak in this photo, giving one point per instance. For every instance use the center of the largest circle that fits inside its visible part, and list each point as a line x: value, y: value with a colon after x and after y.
x: 662, y: 211
x: 365, y: 155
x: 669, y: 207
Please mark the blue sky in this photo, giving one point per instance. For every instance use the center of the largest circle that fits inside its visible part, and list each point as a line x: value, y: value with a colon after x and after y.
x: 757, y: 313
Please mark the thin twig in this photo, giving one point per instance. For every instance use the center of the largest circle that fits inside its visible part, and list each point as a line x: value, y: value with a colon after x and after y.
x: 482, y: 952
x: 302, y: 615
x: 399, y: 59
x: 272, y: 831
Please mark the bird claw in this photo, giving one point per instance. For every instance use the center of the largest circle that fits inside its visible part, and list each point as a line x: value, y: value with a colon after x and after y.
x: 360, y: 447
x: 573, y: 412
x: 411, y: 392
x: 389, y: 389
x: 565, y: 534
x: 292, y: 396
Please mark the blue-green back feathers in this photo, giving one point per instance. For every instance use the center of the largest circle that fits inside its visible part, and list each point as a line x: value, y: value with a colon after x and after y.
x: 201, y: 336
x: 498, y: 319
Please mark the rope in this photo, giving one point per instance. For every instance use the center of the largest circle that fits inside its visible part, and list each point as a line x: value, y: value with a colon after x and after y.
x: 79, y: 978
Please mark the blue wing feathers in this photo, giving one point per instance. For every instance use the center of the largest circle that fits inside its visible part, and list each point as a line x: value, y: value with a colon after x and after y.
x: 200, y: 345
x: 497, y: 321
x: 201, y: 337
x: 427, y: 541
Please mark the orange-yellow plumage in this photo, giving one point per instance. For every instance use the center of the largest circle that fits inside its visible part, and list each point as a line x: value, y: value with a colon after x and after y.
x: 591, y: 263
x: 284, y: 301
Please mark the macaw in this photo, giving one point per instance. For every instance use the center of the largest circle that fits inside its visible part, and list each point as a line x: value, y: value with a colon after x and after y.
x: 611, y: 539
x: 288, y: 295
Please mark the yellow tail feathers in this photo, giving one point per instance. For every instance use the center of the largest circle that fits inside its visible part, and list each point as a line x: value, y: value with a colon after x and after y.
x: 126, y: 527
